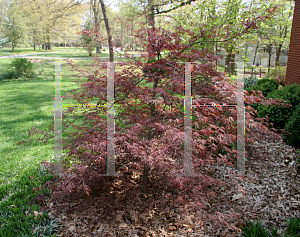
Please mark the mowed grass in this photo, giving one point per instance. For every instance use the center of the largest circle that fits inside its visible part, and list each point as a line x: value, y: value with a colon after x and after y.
x: 63, y: 52
x: 4, y: 51
x: 27, y: 103
x: 8, y: 51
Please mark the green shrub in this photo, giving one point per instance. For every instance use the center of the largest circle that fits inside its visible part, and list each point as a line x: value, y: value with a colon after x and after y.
x: 293, y: 127
x: 279, y: 115
x: 278, y: 74
x: 290, y: 93
x: 22, y: 67
x: 7, y: 75
x: 19, y: 68
x: 265, y: 86
x: 250, y: 81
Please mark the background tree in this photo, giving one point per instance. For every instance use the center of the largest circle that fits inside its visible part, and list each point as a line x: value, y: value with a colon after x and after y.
x: 129, y: 17
x: 89, y: 37
x: 3, y: 9
x: 95, y: 6
x: 108, y: 31
x: 276, y: 30
x: 66, y: 27
x: 221, y: 24
x: 47, y: 20
x: 14, y: 26
x: 284, y: 29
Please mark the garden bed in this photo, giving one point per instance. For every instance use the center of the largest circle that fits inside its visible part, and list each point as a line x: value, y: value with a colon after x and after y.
x: 269, y: 194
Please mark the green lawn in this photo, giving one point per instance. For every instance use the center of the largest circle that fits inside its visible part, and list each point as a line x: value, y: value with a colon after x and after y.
x: 26, y: 103
x: 72, y: 52
x: 6, y: 51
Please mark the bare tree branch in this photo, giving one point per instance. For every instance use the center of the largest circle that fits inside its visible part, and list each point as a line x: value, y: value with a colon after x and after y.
x: 173, y: 8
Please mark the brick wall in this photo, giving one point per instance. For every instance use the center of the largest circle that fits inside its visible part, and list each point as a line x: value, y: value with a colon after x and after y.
x: 293, y: 64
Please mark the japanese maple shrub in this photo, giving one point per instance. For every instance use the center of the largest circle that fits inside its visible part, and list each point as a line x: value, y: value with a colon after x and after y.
x: 149, y: 124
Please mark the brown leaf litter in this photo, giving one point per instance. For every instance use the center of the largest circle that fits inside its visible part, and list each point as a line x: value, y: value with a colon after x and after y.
x: 269, y: 193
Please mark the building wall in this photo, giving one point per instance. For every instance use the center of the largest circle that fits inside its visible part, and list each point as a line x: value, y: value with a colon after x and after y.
x: 293, y: 65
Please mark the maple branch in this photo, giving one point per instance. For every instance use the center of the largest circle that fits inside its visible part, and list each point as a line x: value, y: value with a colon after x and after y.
x: 75, y: 4
x: 63, y: 10
x: 249, y: 25
x: 216, y: 41
x: 175, y: 68
x: 47, y: 136
x: 130, y: 91
x: 174, y: 8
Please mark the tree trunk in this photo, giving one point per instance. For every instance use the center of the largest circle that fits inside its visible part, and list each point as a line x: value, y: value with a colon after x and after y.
x: 151, y: 16
x: 122, y: 38
x: 278, y: 52
x: 245, y: 58
x: 132, y: 34
x: 216, y: 54
x: 45, y: 44
x: 95, y: 7
x: 150, y: 136
x: 227, y: 63
x: 270, y: 55
x: 48, y: 40
x: 145, y: 178
x: 98, y: 49
x: 232, y: 64
x: 34, y: 44
x: 230, y: 59
x: 255, y: 52
x: 110, y: 43
x: 151, y: 22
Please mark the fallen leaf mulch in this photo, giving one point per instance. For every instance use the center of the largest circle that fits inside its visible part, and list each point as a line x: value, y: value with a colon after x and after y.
x: 269, y: 193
